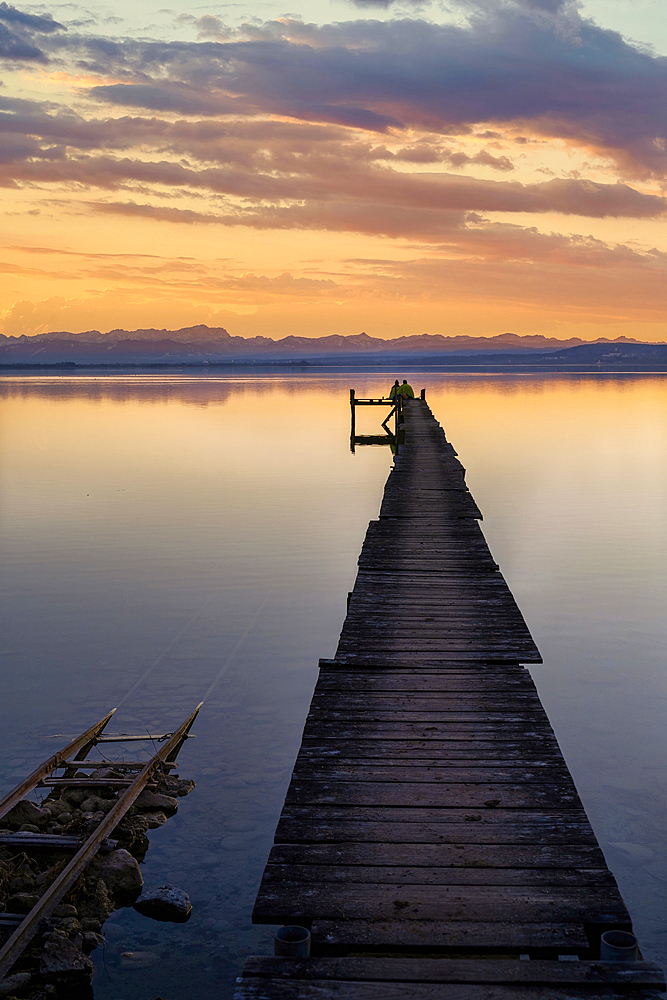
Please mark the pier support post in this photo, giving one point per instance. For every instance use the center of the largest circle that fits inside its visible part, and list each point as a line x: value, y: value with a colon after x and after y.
x: 353, y: 421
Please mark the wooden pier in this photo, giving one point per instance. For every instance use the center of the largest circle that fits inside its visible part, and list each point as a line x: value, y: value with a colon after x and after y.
x: 432, y: 838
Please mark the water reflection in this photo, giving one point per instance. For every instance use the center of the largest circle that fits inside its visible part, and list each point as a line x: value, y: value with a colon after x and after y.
x: 169, y: 536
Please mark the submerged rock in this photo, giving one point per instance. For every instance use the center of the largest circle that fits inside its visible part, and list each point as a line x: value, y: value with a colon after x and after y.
x: 167, y: 902
x: 138, y: 959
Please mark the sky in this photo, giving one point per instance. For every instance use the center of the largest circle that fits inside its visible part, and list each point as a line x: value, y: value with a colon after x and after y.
x: 331, y: 166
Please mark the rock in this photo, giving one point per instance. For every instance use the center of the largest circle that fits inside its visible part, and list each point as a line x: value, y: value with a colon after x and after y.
x: 62, y: 962
x: 57, y: 807
x: 131, y: 833
x: 28, y: 828
x: 27, y: 812
x: 90, y: 924
x: 120, y: 873
x: 138, y: 959
x: 150, y: 801
x: 135, y: 826
x: 14, y: 984
x: 93, y: 899
x: 91, y: 940
x: 22, y: 902
x: 155, y: 819
x: 109, y: 772
x: 65, y: 910
x: 176, y: 786
x: 113, y: 931
x: 69, y: 924
x: 95, y: 804
x: 167, y: 902
x: 74, y: 796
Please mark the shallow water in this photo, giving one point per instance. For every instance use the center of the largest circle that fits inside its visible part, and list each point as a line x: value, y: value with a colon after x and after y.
x: 169, y: 536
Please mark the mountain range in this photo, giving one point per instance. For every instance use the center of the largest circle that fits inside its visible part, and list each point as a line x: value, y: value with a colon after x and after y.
x: 202, y: 344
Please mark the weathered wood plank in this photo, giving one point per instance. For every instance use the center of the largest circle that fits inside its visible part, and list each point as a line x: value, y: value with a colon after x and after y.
x: 477, y: 753
x: 458, y: 855
x: 449, y: 730
x: 278, y: 989
x: 292, y: 903
x: 512, y: 935
x: 359, y: 824
x: 559, y: 878
x: 448, y: 970
x: 367, y: 771
x: 431, y: 794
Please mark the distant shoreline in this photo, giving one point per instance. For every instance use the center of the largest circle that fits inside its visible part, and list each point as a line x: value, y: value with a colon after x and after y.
x: 461, y: 365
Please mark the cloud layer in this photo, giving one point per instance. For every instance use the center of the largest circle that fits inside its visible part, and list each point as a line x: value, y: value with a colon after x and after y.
x: 436, y: 135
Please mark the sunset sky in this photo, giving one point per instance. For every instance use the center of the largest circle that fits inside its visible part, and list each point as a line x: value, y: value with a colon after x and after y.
x: 469, y: 167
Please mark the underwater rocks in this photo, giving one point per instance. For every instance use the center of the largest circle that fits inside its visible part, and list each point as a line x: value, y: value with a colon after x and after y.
x: 167, y: 902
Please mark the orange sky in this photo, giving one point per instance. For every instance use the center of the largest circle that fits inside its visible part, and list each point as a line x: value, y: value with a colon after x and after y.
x: 393, y: 169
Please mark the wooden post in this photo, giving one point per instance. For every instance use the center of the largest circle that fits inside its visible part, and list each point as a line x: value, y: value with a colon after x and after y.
x: 422, y: 394
x: 353, y: 422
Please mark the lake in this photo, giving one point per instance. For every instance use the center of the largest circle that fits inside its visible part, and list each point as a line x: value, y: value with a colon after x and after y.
x: 168, y: 537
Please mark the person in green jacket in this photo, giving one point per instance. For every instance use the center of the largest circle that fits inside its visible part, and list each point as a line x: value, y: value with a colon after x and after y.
x: 406, y: 390
x: 395, y: 390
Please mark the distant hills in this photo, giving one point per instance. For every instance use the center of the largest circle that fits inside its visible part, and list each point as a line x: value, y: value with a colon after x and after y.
x: 210, y: 345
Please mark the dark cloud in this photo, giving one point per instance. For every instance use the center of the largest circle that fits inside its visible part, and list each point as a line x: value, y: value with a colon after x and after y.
x: 177, y: 98
x: 34, y: 22
x: 16, y: 34
x: 536, y: 65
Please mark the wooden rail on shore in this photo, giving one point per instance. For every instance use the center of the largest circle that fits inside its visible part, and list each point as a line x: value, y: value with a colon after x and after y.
x: 432, y: 839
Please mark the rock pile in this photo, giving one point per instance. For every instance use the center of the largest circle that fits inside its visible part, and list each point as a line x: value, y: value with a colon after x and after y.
x: 56, y: 964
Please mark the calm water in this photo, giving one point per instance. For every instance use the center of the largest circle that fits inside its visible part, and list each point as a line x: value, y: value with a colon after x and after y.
x: 166, y: 536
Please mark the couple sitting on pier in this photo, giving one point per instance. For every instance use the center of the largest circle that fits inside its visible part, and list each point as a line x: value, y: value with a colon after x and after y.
x: 404, y: 390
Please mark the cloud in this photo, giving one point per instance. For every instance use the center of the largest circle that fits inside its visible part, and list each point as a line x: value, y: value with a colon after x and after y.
x: 16, y: 34
x: 537, y: 65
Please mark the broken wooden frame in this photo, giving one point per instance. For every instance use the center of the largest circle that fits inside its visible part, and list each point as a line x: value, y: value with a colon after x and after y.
x: 390, y: 438
x: 163, y: 759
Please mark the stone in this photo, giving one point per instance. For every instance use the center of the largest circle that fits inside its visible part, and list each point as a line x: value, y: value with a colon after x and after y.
x: 65, y: 910
x: 74, y: 796
x: 120, y: 873
x: 167, y: 902
x: 155, y: 819
x: 95, y: 804
x: 62, y: 962
x: 28, y: 828
x: 14, y: 984
x: 113, y: 931
x: 177, y: 786
x: 138, y: 959
x: 150, y: 802
x: 90, y: 924
x: 93, y: 898
x: 91, y: 940
x: 108, y: 772
x: 26, y: 812
x: 22, y: 902
x: 57, y: 807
